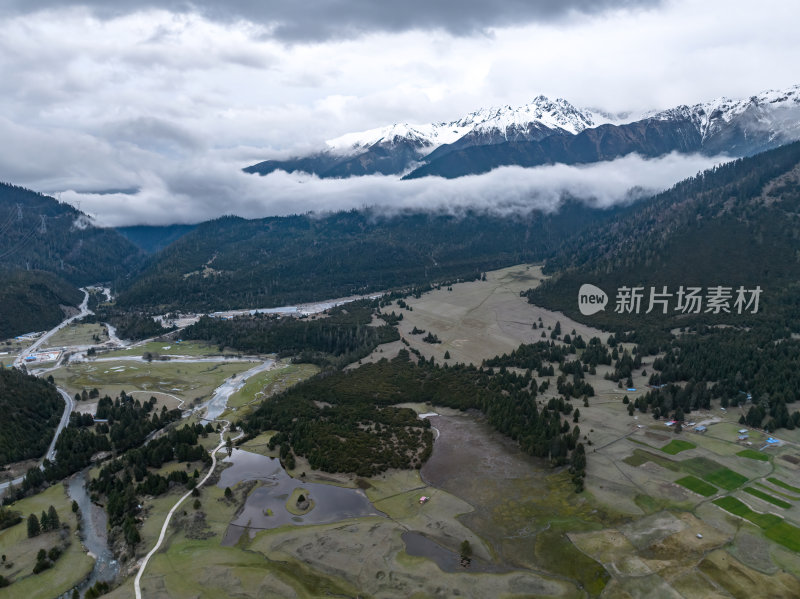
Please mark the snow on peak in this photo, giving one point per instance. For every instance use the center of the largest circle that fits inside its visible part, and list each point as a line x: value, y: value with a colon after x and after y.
x: 561, y: 117
x: 708, y: 116
x: 555, y: 114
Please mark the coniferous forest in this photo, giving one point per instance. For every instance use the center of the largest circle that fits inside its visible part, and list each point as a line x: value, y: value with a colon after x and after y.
x: 341, y: 337
x: 31, y: 408
x: 346, y: 422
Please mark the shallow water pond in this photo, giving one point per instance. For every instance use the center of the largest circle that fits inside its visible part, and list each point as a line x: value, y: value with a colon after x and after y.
x: 265, y: 507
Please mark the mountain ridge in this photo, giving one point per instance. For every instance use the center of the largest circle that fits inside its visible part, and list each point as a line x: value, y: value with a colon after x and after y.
x: 548, y: 131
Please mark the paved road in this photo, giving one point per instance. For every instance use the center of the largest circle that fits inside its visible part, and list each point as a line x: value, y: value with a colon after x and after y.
x: 84, y: 311
x: 218, y: 448
x: 69, y: 404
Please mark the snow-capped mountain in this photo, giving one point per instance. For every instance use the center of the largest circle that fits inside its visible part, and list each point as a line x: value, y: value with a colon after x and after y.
x: 394, y: 148
x: 725, y: 124
x: 547, y: 131
x: 539, y: 118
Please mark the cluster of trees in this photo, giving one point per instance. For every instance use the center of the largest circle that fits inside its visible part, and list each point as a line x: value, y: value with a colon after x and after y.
x: 8, y: 518
x: 46, y: 559
x: 49, y: 521
x: 130, y: 324
x: 345, y: 333
x: 31, y: 409
x: 532, y: 356
x: 87, y: 395
x: 624, y: 365
x: 673, y: 401
x: 577, y: 467
x: 746, y: 367
x: 127, y: 477
x: 129, y: 423
x: 346, y: 421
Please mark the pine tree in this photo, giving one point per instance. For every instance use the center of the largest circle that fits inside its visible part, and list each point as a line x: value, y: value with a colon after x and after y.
x: 53, y: 517
x: 33, y: 526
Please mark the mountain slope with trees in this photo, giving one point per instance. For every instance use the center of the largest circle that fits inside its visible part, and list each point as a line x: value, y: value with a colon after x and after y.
x: 31, y: 409
x: 736, y: 225
x: 234, y: 263
x: 39, y: 233
x: 32, y: 301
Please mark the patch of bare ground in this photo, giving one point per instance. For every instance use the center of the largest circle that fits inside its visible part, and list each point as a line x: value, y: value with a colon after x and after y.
x: 482, y: 319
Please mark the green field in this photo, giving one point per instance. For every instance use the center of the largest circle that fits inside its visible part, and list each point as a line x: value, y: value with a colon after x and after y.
x: 676, y: 446
x: 639, y: 457
x: 767, y: 497
x: 776, y: 492
x: 189, y: 381
x: 753, y: 455
x: 264, y: 384
x: 698, y: 486
x: 78, y: 334
x: 738, y: 508
x: 786, y: 534
x: 173, y: 348
x: 726, y: 478
x: 780, y: 483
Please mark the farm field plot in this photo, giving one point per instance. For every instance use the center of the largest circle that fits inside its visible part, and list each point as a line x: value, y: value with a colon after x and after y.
x: 676, y: 446
x: 697, y: 485
x: 78, y: 334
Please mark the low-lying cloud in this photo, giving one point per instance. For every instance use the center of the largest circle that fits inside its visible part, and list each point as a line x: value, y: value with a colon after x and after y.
x: 208, y: 189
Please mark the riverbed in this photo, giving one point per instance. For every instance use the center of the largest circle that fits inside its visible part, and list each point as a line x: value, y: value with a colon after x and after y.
x: 94, y: 531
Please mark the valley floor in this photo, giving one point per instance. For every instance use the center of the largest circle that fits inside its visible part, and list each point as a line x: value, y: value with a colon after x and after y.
x: 662, y: 515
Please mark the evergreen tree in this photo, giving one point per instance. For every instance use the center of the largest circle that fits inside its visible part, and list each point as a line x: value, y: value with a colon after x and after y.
x: 33, y: 526
x: 53, y: 517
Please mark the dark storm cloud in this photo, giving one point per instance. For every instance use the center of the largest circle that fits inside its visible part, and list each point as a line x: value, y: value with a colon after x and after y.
x: 311, y: 20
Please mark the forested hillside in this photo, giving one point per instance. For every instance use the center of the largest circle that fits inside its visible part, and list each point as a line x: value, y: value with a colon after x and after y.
x: 31, y: 408
x: 151, y: 239
x: 37, y: 232
x: 31, y: 301
x: 737, y: 226
x: 234, y: 263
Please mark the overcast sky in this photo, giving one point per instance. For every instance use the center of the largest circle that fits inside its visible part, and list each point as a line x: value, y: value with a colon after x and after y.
x: 172, y: 98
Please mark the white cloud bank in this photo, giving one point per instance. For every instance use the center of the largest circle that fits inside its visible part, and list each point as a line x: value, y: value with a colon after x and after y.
x: 214, y: 188
x: 174, y: 102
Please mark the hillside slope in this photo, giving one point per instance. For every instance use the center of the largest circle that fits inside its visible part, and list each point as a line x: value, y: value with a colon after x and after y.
x: 236, y: 263
x: 32, y: 300
x: 39, y: 233
x: 738, y: 224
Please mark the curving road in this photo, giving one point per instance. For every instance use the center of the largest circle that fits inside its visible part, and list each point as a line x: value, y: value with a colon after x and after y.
x: 84, y: 311
x: 69, y: 404
x: 136, y: 582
